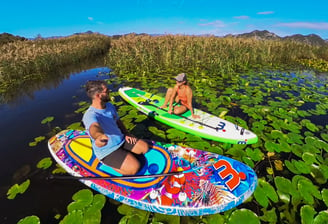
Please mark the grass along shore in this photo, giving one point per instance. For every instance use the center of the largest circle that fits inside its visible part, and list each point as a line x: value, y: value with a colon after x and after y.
x: 22, y: 61
x: 214, y: 55
x: 29, y: 60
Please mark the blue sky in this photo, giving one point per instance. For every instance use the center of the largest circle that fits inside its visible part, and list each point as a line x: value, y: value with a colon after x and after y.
x: 193, y: 17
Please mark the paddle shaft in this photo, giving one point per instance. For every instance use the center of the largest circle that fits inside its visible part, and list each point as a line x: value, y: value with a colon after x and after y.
x: 120, y: 177
x: 148, y: 99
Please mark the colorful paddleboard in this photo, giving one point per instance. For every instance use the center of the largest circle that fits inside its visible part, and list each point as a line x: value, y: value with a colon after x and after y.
x: 207, y: 126
x: 176, y: 180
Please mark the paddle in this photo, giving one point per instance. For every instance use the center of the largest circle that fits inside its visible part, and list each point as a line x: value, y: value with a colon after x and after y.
x: 122, y: 177
x: 148, y: 100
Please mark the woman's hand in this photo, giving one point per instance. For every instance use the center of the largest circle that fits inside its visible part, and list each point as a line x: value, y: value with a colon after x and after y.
x: 195, y: 116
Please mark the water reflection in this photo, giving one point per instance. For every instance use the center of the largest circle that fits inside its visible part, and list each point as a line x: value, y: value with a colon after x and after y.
x: 57, y: 96
x: 26, y: 89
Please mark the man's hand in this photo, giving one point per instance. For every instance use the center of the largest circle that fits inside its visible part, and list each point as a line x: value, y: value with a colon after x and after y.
x: 131, y: 140
x: 101, y: 140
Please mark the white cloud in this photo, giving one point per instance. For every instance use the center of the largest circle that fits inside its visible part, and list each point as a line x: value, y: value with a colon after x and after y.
x: 241, y: 17
x: 306, y: 25
x: 216, y: 23
x: 90, y: 18
x: 265, y: 13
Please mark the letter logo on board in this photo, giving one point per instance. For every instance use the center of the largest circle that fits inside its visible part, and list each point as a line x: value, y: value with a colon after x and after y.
x: 225, y: 170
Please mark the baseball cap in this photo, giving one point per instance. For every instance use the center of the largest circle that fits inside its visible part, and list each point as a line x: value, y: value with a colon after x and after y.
x: 181, y: 77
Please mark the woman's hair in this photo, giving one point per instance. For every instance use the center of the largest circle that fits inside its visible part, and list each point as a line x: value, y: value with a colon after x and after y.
x: 94, y: 86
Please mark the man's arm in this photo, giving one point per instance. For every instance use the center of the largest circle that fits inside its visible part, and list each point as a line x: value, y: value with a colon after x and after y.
x: 97, y: 133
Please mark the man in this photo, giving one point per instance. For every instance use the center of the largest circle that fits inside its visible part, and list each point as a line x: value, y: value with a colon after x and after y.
x: 110, y: 140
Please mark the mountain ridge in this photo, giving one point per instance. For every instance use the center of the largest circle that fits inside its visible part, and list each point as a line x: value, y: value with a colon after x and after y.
x: 311, y: 39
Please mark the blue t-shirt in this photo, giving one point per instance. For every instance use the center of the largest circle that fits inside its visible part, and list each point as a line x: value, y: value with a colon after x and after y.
x: 107, y: 119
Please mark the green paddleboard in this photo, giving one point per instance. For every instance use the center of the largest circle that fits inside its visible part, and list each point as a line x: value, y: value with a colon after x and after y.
x: 207, y: 126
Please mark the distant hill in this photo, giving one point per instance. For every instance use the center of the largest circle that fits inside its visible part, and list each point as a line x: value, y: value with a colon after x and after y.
x: 258, y: 34
x: 7, y: 38
x: 266, y: 35
x: 309, y: 39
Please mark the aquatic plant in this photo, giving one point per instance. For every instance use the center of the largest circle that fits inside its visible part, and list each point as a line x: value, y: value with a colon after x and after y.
x: 290, y: 156
x: 45, y: 163
x: 23, y: 62
x: 287, y: 110
x: 167, y: 54
x: 85, y: 208
x: 30, y: 220
x: 37, y: 140
x: 18, y: 189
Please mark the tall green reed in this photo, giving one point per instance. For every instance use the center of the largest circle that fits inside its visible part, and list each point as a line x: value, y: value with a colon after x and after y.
x: 215, y: 55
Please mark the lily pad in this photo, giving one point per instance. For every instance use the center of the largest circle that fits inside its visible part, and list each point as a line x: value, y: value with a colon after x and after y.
x: 308, y: 190
x: 322, y: 217
x: 319, y: 173
x: 264, y: 192
x: 256, y: 154
x: 307, y: 214
x: 81, y: 199
x: 36, y: 141
x: 75, y: 216
x: 30, y: 220
x: 75, y: 126
x: 18, y: 189
x: 246, y: 215
x: 47, y: 120
x: 45, y: 163
x: 157, y: 132
x: 324, y: 194
x: 174, y: 134
x: 269, y: 216
x: 161, y: 218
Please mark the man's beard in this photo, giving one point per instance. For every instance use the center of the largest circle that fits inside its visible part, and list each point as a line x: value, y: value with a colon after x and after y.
x: 105, y: 99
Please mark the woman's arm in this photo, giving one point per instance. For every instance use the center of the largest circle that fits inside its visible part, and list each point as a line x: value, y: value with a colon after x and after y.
x: 189, y: 102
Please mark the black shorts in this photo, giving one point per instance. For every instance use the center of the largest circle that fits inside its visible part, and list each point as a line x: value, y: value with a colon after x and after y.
x: 116, y: 158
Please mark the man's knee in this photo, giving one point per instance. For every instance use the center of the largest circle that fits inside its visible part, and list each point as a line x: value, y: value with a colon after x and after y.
x: 144, y: 146
x: 131, y: 168
x: 141, y: 147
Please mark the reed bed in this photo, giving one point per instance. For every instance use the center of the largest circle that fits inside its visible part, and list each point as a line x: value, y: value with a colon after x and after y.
x: 213, y: 55
x: 24, y: 60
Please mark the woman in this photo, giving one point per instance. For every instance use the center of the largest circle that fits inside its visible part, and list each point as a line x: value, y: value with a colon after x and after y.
x: 182, y: 94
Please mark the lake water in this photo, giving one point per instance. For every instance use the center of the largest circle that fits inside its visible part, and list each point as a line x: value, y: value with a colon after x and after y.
x: 20, y: 123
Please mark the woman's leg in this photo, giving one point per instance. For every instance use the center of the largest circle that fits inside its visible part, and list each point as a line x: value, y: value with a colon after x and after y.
x: 180, y: 109
x: 167, y: 97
